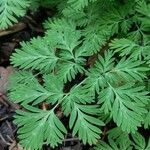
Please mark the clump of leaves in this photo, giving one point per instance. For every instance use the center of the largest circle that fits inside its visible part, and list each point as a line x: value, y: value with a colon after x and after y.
x: 101, y: 50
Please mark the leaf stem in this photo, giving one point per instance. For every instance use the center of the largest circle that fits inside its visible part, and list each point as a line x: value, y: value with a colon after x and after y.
x: 67, y: 95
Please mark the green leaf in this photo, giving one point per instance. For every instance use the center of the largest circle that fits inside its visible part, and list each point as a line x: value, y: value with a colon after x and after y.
x: 127, y: 47
x: 97, y: 76
x: 84, y: 124
x: 130, y: 69
x: 36, y: 93
x: 67, y: 71
x: 139, y: 141
x: 104, y: 146
x: 77, y: 94
x: 78, y: 16
x: 126, y: 105
x: 79, y: 4
x: 59, y: 25
x: 39, y: 126
x: 55, y: 87
x: 124, y: 46
x: 95, y: 36
x: 10, y: 10
x: 105, y: 71
x: 117, y: 140
x: 38, y: 54
x: 67, y: 40
x: 143, y: 8
x: 116, y: 18
x: 147, y: 120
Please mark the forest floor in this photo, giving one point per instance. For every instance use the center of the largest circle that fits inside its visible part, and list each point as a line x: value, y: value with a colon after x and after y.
x: 28, y: 27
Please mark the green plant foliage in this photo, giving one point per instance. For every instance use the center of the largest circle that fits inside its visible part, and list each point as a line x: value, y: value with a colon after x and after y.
x: 10, y: 10
x: 86, y: 128
x: 127, y: 109
x: 121, y: 140
x: 39, y: 121
x: 92, y: 64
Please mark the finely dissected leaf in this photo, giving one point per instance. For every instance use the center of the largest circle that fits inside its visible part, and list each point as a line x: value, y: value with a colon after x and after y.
x: 130, y: 69
x: 38, y: 54
x: 69, y: 70
x: 139, y: 141
x: 116, y: 18
x: 92, y: 65
x: 22, y: 77
x: 97, y: 74
x: 127, y: 47
x: 64, y: 33
x: 37, y: 126
x: 126, y: 104
x: 76, y: 95
x: 41, y: 53
x: 10, y: 10
x: 143, y: 8
x: 60, y: 24
x: 105, y: 71
x: 147, y: 120
x: 31, y: 92
x: 116, y: 140
x: 55, y: 87
x: 85, y: 125
x: 36, y: 93
x: 121, y: 138
x: 104, y: 146
x: 55, y: 130
x: 95, y: 37
x: 124, y: 46
x: 79, y: 16
x: 79, y: 4
x: 68, y: 41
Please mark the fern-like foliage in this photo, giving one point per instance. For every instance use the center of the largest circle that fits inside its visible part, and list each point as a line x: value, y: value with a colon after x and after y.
x: 121, y: 140
x: 147, y: 120
x: 50, y: 93
x: 63, y: 36
x: 92, y: 64
x: 87, y: 129
x: 33, y: 57
x: 126, y: 47
x: 105, y: 71
x: 79, y: 4
x: 10, y: 9
x: 124, y: 102
x: 39, y: 121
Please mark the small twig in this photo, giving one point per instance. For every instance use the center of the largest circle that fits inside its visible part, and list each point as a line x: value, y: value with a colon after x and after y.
x: 3, y: 102
x: 9, y: 125
x: 67, y: 140
x: 11, y: 140
x: 71, y: 139
x: 104, y: 133
x: 7, y: 143
x: 17, y: 27
x: 14, y: 106
x: 4, y: 118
